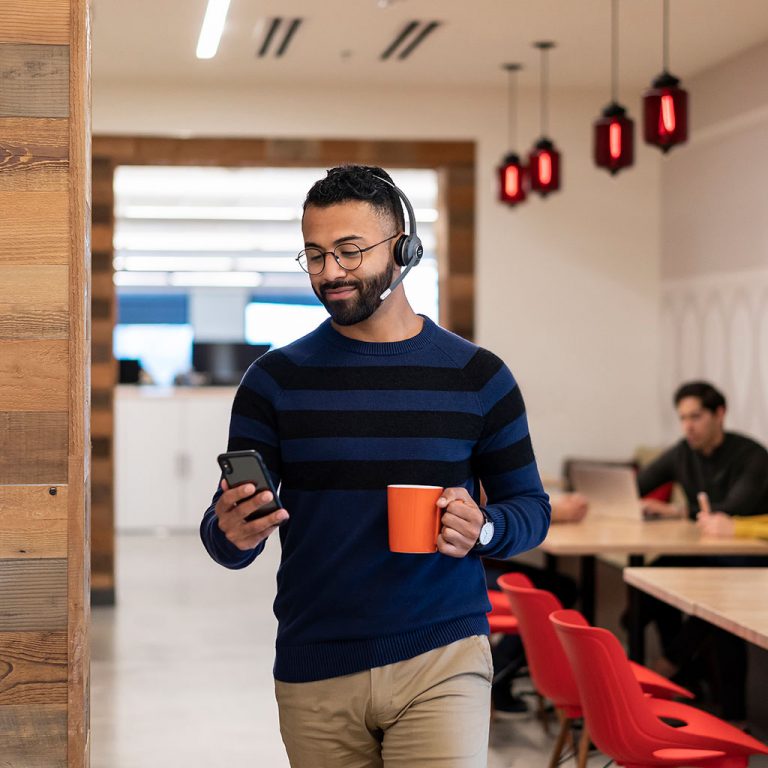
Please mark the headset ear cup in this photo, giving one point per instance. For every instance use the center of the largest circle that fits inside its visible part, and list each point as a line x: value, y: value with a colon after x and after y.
x: 401, y: 250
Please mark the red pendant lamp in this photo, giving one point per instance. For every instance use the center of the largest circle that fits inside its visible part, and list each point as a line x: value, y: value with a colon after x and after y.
x: 665, y: 104
x: 511, y: 171
x: 544, y: 159
x: 614, y: 131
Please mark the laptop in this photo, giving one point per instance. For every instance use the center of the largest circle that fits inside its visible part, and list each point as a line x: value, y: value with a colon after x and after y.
x: 610, y: 489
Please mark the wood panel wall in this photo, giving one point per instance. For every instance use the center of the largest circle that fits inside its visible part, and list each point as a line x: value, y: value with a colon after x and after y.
x: 44, y: 364
x: 103, y: 381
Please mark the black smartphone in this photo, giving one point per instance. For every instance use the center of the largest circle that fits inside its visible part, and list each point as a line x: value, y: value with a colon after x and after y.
x: 240, y: 467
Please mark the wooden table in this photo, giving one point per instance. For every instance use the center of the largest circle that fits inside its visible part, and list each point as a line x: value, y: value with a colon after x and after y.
x: 637, y: 539
x: 732, y: 599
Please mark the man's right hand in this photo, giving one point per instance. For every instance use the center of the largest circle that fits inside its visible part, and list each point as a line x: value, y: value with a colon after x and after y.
x: 231, y: 509
x: 657, y: 508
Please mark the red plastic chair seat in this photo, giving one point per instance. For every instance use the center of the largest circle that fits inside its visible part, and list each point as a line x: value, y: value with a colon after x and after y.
x: 686, y: 756
x: 626, y: 725
x: 657, y: 685
x: 499, y: 602
x: 506, y: 623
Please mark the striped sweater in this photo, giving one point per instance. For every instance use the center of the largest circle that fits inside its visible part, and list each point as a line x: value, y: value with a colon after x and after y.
x: 336, y: 421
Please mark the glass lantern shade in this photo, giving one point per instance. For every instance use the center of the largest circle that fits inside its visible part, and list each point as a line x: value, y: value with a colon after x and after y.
x: 544, y: 167
x: 614, y: 139
x: 511, y: 180
x: 665, y: 113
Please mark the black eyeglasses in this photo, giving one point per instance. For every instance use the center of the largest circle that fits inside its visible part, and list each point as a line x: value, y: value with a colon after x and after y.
x: 347, y: 255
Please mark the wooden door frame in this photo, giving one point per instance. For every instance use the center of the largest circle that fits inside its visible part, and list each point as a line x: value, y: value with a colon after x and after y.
x: 454, y: 162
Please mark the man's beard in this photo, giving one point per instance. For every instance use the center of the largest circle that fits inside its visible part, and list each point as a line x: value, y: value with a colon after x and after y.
x: 361, y: 306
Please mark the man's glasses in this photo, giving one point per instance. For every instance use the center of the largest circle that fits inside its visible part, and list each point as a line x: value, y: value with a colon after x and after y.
x: 347, y: 255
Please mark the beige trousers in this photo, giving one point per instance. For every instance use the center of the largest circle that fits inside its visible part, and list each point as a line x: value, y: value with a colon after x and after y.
x: 431, y: 711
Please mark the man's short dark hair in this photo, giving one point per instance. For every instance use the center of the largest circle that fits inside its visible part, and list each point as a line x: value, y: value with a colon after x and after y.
x: 358, y: 182
x: 710, y: 398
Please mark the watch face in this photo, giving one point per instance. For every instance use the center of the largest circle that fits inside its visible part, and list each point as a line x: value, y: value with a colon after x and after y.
x: 486, y: 533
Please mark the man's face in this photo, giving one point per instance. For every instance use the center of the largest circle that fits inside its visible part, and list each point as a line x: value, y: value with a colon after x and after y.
x: 350, y: 297
x: 702, y: 428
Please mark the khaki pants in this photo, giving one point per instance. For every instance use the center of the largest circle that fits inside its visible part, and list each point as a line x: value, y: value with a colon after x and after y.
x: 431, y: 711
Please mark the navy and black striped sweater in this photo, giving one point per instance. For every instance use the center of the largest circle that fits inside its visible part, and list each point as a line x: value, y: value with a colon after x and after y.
x: 337, y: 420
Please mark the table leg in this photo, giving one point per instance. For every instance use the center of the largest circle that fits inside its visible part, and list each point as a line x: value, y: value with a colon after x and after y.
x: 636, y: 628
x: 588, y: 587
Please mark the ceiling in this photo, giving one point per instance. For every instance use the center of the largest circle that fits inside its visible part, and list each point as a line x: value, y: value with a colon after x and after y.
x: 340, y: 41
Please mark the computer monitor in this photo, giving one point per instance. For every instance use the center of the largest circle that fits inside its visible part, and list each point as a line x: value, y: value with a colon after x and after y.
x: 224, y: 363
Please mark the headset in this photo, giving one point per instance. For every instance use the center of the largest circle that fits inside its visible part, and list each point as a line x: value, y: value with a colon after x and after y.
x: 408, y: 248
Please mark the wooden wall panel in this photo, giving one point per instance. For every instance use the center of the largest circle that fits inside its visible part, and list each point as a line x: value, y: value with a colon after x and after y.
x: 33, y: 302
x: 34, y: 375
x: 33, y: 521
x: 35, y: 79
x: 103, y: 382
x: 79, y: 517
x: 33, y: 448
x: 44, y: 359
x: 34, y: 154
x: 33, y: 595
x: 34, y: 736
x: 34, y: 668
x: 41, y: 21
x: 35, y: 226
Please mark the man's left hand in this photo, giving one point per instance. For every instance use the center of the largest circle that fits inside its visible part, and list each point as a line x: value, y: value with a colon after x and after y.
x: 462, y: 521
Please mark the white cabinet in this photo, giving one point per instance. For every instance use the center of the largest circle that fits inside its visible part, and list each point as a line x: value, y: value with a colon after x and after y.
x: 166, y: 443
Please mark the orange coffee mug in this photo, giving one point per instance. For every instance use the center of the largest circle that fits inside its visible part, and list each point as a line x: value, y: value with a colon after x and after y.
x: 414, y: 517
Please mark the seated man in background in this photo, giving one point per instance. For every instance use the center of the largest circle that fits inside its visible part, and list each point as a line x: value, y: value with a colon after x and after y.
x: 731, y: 471
x: 508, y: 654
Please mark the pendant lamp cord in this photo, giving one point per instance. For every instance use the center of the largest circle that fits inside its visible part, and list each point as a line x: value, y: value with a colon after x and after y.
x: 614, y: 52
x: 511, y: 111
x: 544, y: 83
x: 665, y: 51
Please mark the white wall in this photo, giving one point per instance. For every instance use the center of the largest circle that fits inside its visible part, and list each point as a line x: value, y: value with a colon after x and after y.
x: 567, y: 288
x: 715, y: 242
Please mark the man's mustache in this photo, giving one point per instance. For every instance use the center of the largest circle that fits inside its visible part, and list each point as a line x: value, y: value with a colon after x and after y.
x: 337, y: 284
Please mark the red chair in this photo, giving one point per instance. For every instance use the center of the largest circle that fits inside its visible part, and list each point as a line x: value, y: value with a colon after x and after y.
x: 500, y: 617
x: 548, y: 666
x: 627, y: 725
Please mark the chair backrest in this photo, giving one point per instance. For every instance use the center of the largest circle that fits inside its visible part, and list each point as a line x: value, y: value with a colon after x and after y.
x: 617, y: 715
x: 547, y: 662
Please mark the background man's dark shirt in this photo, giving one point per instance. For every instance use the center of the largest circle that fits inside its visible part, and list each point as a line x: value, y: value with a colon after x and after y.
x: 734, y: 475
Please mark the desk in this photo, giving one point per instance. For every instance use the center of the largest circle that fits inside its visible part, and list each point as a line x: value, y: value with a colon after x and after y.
x: 637, y: 539
x: 732, y: 599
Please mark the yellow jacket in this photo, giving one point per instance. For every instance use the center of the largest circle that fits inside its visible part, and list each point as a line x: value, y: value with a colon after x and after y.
x: 752, y: 527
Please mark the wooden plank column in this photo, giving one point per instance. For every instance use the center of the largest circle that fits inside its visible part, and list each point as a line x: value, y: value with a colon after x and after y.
x: 103, y: 381
x: 44, y: 363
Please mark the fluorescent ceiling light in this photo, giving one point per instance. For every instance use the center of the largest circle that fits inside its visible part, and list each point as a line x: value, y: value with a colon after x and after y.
x: 212, y: 242
x: 174, y: 263
x: 143, y: 279
x: 216, y: 279
x: 268, y: 264
x: 211, y: 212
x: 213, y: 26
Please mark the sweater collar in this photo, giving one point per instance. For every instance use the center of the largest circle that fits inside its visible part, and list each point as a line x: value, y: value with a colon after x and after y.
x: 328, y: 333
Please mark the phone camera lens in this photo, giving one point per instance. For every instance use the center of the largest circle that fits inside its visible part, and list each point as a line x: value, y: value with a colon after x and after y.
x: 227, y: 467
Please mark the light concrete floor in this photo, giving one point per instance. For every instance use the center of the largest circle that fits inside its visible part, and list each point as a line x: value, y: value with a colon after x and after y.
x: 181, y: 671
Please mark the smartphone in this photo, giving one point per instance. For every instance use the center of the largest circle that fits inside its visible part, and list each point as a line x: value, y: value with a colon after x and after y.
x: 240, y: 467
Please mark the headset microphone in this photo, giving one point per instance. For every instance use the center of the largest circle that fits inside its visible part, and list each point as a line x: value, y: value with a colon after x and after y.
x: 396, y: 282
x: 408, y: 249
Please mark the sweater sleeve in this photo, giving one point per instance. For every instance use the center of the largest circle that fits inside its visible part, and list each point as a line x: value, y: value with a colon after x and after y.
x: 253, y: 424
x: 506, y: 466
x: 660, y: 471
x: 752, y: 527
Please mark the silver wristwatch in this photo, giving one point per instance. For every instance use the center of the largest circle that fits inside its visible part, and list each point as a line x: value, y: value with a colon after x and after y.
x: 486, y: 532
